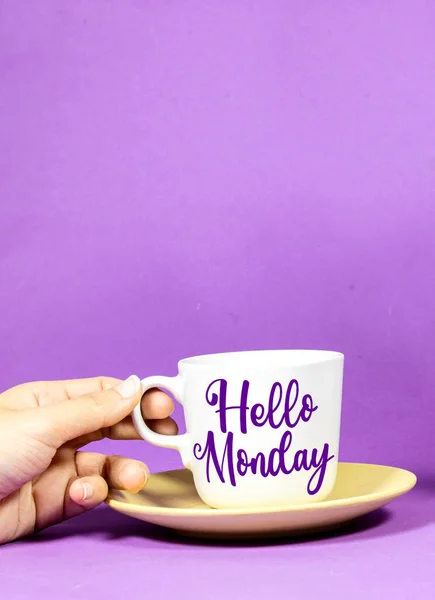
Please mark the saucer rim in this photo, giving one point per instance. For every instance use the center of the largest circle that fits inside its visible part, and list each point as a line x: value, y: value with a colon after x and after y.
x: 315, y: 506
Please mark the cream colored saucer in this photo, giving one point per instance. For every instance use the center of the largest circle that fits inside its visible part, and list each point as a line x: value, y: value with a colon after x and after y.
x: 170, y: 500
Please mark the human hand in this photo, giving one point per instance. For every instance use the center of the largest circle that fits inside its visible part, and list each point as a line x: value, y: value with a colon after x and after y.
x: 43, y: 477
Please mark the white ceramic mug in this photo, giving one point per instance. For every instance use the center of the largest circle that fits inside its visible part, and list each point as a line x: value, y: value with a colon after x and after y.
x: 262, y: 427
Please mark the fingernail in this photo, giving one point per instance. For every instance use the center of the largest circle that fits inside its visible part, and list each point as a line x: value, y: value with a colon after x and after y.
x: 144, y: 479
x: 88, y: 491
x: 129, y: 388
x: 135, y: 472
x: 146, y: 475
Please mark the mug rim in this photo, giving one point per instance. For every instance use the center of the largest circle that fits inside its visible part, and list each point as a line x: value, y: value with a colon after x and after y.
x: 214, y: 359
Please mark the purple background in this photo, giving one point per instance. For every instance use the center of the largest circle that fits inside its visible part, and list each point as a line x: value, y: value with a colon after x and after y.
x: 198, y: 176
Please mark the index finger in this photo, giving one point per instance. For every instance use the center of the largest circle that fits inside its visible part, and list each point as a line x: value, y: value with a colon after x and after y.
x: 44, y: 393
x: 79, y: 387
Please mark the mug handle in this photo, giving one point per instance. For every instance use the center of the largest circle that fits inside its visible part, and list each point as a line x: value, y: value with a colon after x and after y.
x: 175, y: 442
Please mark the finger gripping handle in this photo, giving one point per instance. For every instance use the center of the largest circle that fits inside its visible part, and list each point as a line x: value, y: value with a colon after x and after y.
x: 176, y: 442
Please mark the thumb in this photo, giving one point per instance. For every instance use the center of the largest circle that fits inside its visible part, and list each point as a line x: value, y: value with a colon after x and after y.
x: 59, y: 423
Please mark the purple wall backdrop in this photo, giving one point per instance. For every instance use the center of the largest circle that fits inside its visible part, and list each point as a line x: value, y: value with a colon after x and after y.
x: 190, y: 177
